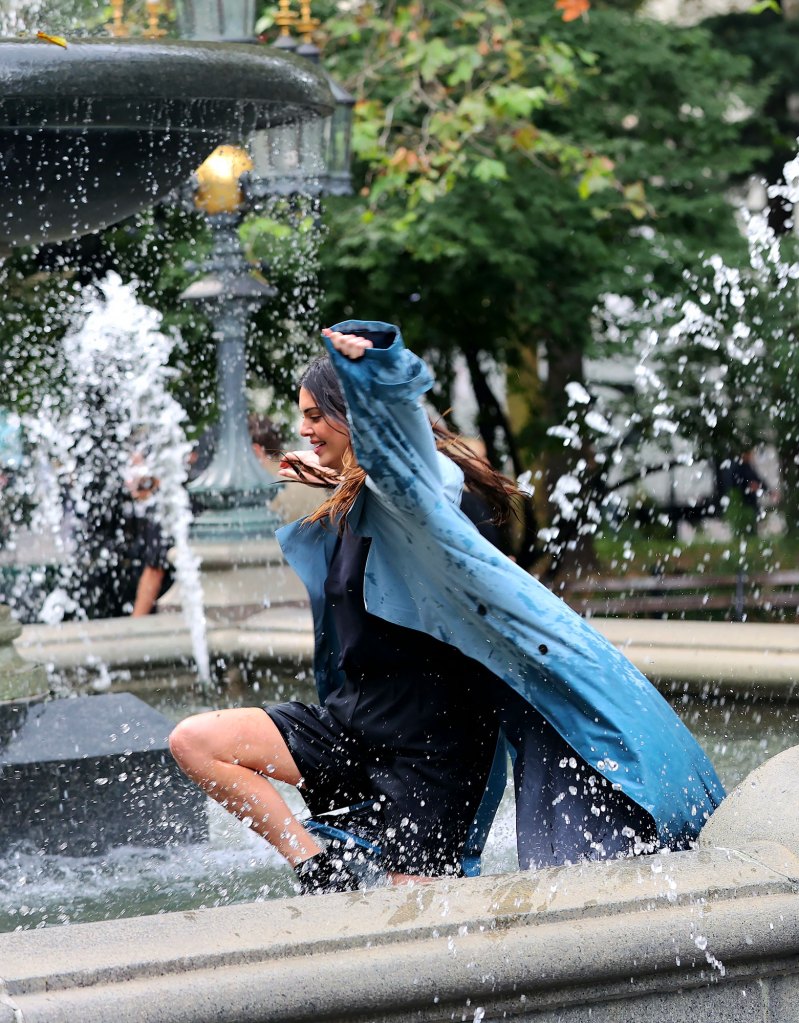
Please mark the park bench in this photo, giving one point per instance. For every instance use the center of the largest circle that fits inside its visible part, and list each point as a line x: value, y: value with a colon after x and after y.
x: 735, y: 596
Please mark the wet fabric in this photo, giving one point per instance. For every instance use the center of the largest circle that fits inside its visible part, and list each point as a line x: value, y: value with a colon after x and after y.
x: 401, y: 688
x: 150, y: 546
x: 421, y: 805
x: 566, y: 812
x: 428, y: 569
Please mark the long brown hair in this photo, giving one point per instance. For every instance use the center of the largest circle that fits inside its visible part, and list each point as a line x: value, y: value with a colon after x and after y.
x: 480, y: 476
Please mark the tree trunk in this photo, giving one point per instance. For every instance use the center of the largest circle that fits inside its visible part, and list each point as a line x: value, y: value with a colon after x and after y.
x: 789, y: 487
x: 492, y: 417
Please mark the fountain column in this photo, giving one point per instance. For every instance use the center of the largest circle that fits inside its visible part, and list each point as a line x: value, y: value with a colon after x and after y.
x: 234, y: 533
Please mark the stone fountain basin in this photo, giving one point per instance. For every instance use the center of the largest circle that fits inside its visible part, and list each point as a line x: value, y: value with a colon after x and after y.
x: 95, y: 132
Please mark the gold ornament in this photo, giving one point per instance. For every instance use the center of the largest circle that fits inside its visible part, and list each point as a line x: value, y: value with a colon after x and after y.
x: 218, y: 187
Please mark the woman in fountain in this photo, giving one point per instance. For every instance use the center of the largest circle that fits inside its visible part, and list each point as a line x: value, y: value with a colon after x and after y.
x: 427, y: 640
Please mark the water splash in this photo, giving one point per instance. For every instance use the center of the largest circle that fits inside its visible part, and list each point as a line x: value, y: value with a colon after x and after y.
x: 685, y: 378
x: 114, y: 406
x: 18, y: 15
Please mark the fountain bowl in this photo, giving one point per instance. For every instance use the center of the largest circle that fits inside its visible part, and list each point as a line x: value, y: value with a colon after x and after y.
x: 94, y: 132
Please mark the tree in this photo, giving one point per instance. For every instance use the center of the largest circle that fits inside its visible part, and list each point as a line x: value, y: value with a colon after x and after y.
x: 513, y: 168
x: 769, y: 41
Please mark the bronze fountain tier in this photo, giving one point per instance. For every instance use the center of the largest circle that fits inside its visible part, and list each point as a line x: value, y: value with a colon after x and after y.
x: 97, y: 130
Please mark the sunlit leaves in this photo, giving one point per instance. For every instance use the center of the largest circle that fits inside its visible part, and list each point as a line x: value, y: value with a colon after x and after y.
x: 430, y: 57
x: 457, y: 88
x: 516, y: 101
x: 494, y: 212
x: 596, y: 177
x: 489, y: 170
x: 636, y: 201
x: 467, y: 63
x: 572, y: 9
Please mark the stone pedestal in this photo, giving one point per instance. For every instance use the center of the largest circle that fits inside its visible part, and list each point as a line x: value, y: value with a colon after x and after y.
x: 19, y: 680
x: 78, y: 775
x: 240, y: 578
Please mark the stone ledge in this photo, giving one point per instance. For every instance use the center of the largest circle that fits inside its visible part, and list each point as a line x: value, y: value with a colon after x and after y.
x: 518, y: 944
x: 721, y: 653
x: 725, y: 655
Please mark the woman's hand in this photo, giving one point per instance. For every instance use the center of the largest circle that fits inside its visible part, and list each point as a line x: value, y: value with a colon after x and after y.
x: 304, y: 467
x: 348, y: 344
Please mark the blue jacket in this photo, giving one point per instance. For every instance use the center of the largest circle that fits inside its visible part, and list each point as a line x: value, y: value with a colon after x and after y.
x: 429, y: 569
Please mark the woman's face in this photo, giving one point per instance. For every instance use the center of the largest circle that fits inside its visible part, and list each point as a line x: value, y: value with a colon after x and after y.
x: 329, y: 439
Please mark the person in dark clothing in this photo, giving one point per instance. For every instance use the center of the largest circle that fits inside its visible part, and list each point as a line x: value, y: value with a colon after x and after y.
x: 405, y: 729
x: 744, y: 487
x: 147, y: 554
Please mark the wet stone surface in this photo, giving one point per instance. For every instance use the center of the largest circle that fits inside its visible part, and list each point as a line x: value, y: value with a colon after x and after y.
x: 81, y: 775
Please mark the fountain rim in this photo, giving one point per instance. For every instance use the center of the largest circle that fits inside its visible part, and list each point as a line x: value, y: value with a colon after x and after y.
x: 36, y: 77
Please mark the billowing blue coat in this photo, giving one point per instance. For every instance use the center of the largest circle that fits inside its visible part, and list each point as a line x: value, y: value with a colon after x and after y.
x: 429, y: 569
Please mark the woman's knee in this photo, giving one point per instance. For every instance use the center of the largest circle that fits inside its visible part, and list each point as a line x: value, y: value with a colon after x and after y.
x: 192, y: 740
x: 244, y: 736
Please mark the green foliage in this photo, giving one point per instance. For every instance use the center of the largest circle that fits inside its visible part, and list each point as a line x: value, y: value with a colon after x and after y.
x: 576, y: 159
x: 284, y: 237
x: 634, y: 553
x: 447, y: 92
x: 42, y: 293
x: 70, y: 17
x: 741, y: 517
x: 769, y: 41
x: 35, y: 310
x: 717, y: 364
x: 512, y: 169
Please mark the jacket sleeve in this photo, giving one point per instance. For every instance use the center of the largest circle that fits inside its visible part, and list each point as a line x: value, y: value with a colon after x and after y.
x: 391, y: 432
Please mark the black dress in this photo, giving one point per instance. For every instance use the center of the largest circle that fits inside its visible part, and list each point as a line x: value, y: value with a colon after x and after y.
x: 406, y: 731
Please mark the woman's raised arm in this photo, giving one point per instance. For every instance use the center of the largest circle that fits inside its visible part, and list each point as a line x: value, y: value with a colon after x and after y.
x: 391, y: 433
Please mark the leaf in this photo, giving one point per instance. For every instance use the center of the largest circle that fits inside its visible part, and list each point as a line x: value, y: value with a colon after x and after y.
x: 473, y: 18
x: 527, y: 138
x: 597, y: 177
x: 434, y: 56
x: 635, y: 200
x: 764, y: 5
x: 268, y: 226
x: 467, y: 64
x: 516, y: 100
x: 588, y: 58
x: 572, y: 9
x: 55, y: 40
x: 490, y: 170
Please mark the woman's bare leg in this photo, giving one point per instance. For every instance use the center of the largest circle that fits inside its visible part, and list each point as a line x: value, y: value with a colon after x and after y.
x: 227, y: 753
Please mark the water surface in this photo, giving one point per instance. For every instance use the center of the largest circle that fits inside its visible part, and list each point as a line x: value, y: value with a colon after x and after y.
x: 236, y: 866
